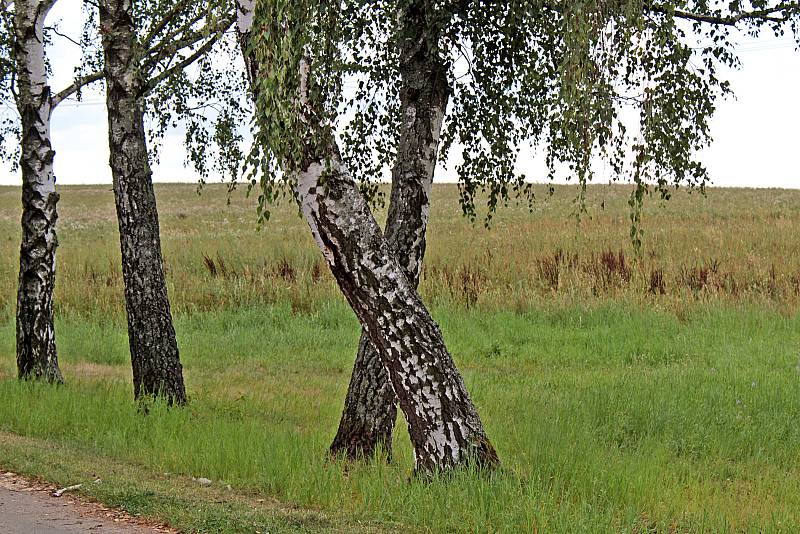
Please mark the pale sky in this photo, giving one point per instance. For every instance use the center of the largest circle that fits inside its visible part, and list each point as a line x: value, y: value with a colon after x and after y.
x: 755, y: 136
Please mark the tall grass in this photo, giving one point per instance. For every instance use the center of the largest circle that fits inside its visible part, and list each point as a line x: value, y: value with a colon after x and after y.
x: 608, y: 418
x: 643, y: 393
x: 731, y: 246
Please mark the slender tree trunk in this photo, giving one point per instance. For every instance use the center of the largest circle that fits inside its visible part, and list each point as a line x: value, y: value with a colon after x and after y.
x: 369, y: 411
x: 36, y: 344
x: 154, y: 350
x: 444, y: 425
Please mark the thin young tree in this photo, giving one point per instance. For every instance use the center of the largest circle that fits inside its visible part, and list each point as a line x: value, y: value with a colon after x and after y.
x: 548, y: 74
x: 24, y: 72
x: 147, y: 48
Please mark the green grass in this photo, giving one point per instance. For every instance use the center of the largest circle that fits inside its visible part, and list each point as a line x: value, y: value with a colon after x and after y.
x: 612, y: 408
x: 606, y: 419
x: 168, y: 497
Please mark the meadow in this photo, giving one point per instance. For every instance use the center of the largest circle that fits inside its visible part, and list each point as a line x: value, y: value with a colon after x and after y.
x: 649, y: 391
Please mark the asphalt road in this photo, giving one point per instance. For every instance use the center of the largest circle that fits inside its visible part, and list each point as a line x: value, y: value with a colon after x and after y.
x: 28, y: 510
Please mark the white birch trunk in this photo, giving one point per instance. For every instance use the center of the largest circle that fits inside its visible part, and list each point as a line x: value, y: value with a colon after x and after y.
x: 36, y: 347
x: 369, y: 412
x: 444, y: 425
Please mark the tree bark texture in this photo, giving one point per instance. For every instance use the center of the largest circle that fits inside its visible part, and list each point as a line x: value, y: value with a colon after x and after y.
x: 369, y: 411
x: 36, y: 345
x: 157, y: 370
x: 444, y: 425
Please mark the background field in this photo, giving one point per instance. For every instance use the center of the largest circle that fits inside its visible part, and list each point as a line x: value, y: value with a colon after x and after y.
x: 656, y: 391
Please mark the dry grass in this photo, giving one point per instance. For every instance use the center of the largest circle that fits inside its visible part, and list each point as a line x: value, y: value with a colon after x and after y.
x: 732, y: 245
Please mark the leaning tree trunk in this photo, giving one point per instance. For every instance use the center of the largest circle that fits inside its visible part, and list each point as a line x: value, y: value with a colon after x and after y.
x: 154, y: 350
x: 369, y: 411
x: 444, y: 425
x: 36, y: 345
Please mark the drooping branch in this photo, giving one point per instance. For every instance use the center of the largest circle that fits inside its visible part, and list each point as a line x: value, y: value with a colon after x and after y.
x: 776, y: 14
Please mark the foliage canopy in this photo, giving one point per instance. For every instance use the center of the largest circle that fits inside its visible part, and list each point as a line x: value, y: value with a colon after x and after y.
x: 184, y: 50
x: 632, y: 83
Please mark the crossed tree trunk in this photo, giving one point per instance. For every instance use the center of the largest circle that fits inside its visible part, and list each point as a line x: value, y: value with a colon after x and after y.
x: 444, y: 425
x: 369, y: 411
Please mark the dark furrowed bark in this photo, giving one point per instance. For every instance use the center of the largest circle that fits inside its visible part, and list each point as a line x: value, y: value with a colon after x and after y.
x: 370, y: 408
x: 157, y: 370
x: 369, y: 412
x: 36, y: 346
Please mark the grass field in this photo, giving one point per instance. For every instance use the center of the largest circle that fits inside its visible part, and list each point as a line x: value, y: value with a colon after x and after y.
x: 639, y: 393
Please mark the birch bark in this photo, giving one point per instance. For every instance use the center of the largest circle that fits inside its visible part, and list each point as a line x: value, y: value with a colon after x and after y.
x: 444, y: 425
x: 155, y: 359
x: 36, y: 345
x: 369, y: 411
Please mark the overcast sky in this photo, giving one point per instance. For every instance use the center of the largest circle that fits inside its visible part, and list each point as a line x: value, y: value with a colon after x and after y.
x: 756, y: 139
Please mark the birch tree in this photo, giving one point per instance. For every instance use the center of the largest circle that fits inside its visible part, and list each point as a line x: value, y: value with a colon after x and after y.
x: 25, y: 83
x: 295, y: 115
x: 423, y: 92
x: 549, y: 74
x: 178, y: 35
x: 167, y: 40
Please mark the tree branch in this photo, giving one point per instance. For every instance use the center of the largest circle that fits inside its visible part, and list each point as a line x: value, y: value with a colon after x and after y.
x: 170, y: 43
x: 76, y: 86
x: 67, y: 37
x: 181, y: 65
x: 165, y: 20
x: 775, y: 14
x: 761, y: 15
x: 161, y: 52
